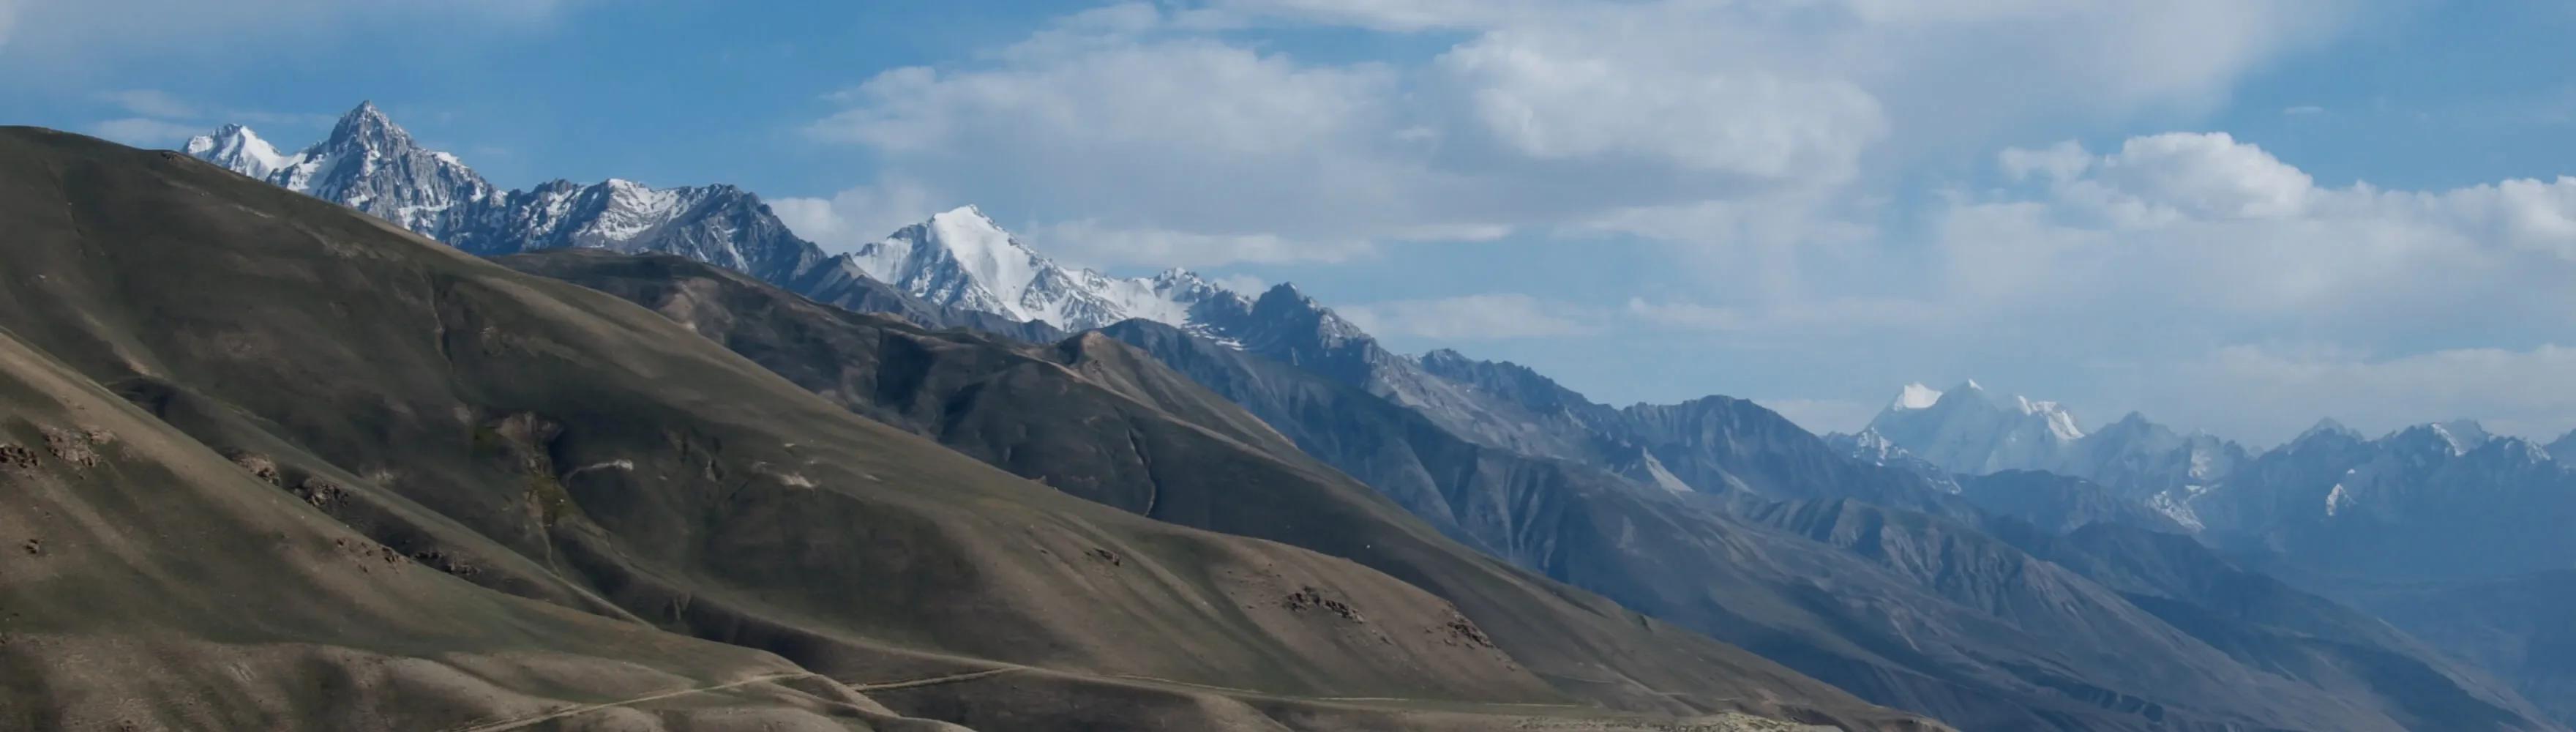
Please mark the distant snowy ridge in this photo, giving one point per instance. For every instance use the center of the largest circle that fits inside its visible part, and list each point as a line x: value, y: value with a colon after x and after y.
x: 2327, y: 475
x: 961, y: 258
x: 373, y: 165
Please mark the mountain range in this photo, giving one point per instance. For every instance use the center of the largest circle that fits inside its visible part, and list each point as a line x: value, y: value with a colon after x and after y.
x: 2005, y: 601
x: 294, y: 467
x: 2405, y: 520
x: 2433, y: 500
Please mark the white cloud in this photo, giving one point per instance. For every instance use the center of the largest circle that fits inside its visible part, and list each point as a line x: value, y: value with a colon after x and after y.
x: 1559, y: 98
x: 1092, y: 243
x: 2203, y: 175
x: 1152, y: 141
x: 2201, y: 226
x: 1542, y: 114
x: 1470, y: 317
x: 2199, y: 243
x: 144, y: 131
x: 858, y: 215
x: 1770, y: 143
x: 1246, y: 284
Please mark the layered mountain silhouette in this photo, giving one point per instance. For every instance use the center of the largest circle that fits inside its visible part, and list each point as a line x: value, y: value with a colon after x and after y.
x: 1095, y: 418
x: 2003, y: 603
x: 1104, y: 420
x: 300, y: 468
x: 2442, y: 527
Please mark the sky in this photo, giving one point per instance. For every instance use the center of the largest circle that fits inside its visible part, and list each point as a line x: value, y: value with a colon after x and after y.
x: 2239, y: 216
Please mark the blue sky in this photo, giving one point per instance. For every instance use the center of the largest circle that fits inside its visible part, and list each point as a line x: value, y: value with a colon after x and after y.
x: 2237, y: 215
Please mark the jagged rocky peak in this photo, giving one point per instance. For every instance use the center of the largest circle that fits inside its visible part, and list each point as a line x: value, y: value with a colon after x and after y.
x: 372, y: 164
x: 368, y: 126
x: 1450, y: 364
x: 1447, y: 360
x: 1283, y: 305
x: 1512, y: 382
x: 367, y: 163
x: 237, y: 148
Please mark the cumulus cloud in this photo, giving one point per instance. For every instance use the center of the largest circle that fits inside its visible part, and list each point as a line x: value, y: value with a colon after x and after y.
x: 859, y: 215
x: 1467, y: 318
x: 2164, y: 274
x: 1151, y: 142
x: 1093, y: 243
x: 2203, y: 224
x: 1553, y: 98
x: 1540, y: 115
x: 2205, y: 175
x: 2176, y: 261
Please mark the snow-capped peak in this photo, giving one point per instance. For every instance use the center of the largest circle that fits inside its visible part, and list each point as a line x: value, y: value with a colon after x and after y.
x: 368, y: 163
x: 962, y: 258
x: 237, y: 148
x: 2060, y: 422
x: 2464, y: 434
x: 1915, y: 396
x: 1971, y: 430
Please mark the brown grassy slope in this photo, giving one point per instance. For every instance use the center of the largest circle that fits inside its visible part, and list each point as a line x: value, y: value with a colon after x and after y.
x: 148, y: 583
x: 1096, y: 419
x: 560, y: 442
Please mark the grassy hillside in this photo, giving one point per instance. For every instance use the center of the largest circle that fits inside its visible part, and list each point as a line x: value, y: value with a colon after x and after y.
x: 510, y: 448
